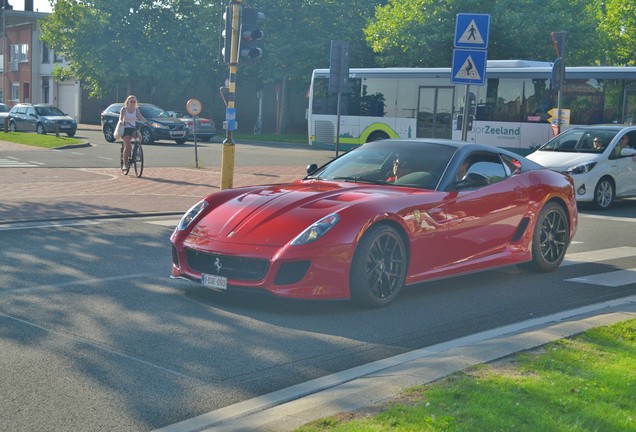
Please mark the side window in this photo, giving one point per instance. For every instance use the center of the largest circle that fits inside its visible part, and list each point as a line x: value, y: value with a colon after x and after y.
x: 481, y: 169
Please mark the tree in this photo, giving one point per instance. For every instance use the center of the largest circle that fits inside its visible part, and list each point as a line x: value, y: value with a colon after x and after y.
x: 129, y: 42
x: 420, y: 32
x: 618, y: 22
x: 298, y: 35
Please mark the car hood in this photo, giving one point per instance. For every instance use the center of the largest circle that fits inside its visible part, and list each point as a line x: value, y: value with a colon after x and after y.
x: 274, y: 215
x: 560, y: 161
x: 165, y: 121
x: 58, y: 118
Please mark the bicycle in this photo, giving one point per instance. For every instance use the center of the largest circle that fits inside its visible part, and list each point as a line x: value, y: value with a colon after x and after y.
x: 135, y: 158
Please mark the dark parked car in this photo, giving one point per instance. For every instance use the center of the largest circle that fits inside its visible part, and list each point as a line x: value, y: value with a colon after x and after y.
x: 4, y: 111
x: 40, y: 118
x: 205, y: 130
x: 160, y: 125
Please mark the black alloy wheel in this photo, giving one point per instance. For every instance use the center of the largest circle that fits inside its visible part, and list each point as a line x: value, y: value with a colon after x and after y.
x: 379, y: 265
x: 551, y: 238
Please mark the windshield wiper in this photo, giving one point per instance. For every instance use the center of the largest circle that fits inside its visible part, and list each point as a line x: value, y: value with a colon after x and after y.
x: 360, y: 180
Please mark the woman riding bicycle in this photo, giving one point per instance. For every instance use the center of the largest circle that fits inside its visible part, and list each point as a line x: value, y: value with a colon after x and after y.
x: 128, y: 116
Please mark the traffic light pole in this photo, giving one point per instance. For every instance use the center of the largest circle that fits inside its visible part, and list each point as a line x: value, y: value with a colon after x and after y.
x: 227, y: 157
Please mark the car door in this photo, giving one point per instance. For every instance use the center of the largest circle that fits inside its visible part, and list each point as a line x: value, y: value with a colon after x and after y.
x: 30, y: 120
x: 624, y: 170
x: 482, y: 218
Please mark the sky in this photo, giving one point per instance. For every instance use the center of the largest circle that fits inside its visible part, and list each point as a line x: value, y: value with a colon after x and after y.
x: 38, y: 5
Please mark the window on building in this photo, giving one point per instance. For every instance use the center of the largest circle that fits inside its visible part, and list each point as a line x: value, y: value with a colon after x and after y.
x: 19, y: 53
x: 26, y: 91
x: 45, y: 90
x: 45, y: 53
x: 15, y: 91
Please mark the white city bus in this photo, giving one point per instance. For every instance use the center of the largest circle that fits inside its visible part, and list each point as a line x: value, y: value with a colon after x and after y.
x: 513, y: 110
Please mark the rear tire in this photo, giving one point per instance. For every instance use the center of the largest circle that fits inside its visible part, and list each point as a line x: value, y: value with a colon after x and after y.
x: 378, y: 269
x: 550, y: 239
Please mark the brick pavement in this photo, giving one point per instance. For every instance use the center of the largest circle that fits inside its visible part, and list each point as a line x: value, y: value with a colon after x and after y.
x: 29, y: 194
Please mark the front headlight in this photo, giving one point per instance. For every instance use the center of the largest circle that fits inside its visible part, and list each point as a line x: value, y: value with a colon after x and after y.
x: 158, y: 125
x: 581, y: 169
x: 191, y: 215
x: 316, y: 230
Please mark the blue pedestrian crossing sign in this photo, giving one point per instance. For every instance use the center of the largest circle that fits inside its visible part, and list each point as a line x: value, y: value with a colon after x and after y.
x: 472, y: 31
x: 469, y: 67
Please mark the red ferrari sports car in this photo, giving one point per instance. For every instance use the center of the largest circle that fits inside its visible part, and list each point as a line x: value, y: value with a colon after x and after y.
x: 387, y: 214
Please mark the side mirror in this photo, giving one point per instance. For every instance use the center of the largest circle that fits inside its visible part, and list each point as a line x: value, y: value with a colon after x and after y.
x: 311, y: 168
x: 628, y: 152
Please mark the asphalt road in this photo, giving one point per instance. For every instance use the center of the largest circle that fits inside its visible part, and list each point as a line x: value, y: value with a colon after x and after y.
x: 102, y: 154
x: 97, y: 337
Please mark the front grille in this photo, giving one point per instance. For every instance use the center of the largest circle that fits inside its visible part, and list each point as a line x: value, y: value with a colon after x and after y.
x: 176, y: 127
x: 232, y: 267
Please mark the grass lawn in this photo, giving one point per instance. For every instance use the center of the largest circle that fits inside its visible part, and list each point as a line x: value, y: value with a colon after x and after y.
x: 587, y: 383
x: 283, y: 138
x: 37, y: 140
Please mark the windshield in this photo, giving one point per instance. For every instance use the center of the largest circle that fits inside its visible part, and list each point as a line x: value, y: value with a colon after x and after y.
x: 382, y: 162
x: 49, y: 111
x: 153, y: 112
x: 581, y: 140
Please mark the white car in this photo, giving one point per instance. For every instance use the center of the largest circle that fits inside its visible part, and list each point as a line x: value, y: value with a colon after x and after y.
x: 601, y: 159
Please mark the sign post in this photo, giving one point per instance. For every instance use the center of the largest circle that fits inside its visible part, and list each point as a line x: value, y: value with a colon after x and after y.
x: 193, y: 106
x: 470, y: 56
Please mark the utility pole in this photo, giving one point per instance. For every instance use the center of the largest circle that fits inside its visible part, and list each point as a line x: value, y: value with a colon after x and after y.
x: 238, y: 41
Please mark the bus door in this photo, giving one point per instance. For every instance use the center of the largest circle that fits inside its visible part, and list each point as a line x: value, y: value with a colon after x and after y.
x: 435, y: 112
x: 629, y: 110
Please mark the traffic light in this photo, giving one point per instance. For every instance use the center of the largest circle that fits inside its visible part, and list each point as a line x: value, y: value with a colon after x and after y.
x: 225, y: 41
x: 250, y: 34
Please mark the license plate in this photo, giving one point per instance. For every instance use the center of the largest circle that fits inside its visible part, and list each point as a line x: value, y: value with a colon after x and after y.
x: 214, y: 282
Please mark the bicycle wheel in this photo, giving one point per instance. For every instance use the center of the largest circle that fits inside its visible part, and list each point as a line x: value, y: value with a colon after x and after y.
x: 138, y: 159
x: 124, y: 168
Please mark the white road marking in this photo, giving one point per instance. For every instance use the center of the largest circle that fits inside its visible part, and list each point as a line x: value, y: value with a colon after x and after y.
x: 611, y: 279
x: 612, y: 218
x: 599, y: 255
x: 166, y: 222
x: 12, y: 162
x: 53, y: 224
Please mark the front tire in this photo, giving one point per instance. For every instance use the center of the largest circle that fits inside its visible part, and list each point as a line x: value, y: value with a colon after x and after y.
x: 180, y: 141
x: 12, y: 127
x: 39, y: 128
x: 550, y: 238
x: 377, y: 136
x: 378, y: 269
x: 138, y: 160
x: 146, y: 136
x: 604, y: 194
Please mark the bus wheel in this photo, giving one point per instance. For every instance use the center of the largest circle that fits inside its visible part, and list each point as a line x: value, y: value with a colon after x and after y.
x: 376, y: 136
